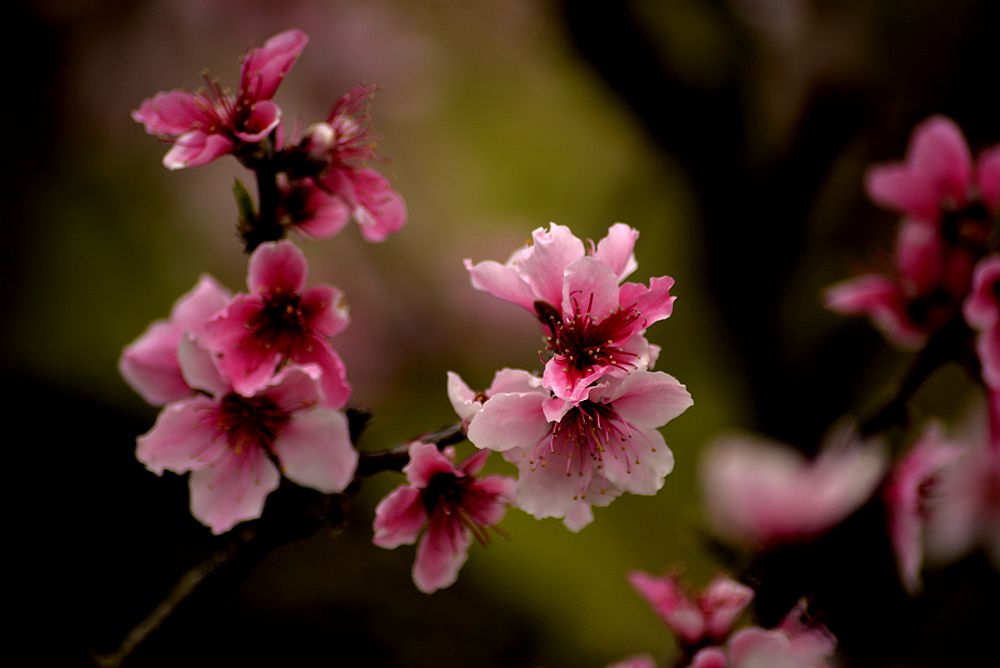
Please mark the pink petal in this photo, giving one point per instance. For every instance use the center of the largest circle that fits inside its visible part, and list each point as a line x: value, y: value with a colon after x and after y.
x: 508, y: 421
x: 315, y: 450
x: 648, y: 398
x: 462, y: 398
x: 232, y: 489
x: 513, y: 380
x: 380, y: 210
x: 426, y: 461
x: 242, y: 359
x: 590, y: 288
x: 265, y: 67
x: 548, y: 492
x: 295, y: 387
x: 988, y: 348
x: 196, y: 308
x: 880, y: 298
x: 710, y: 657
x: 722, y: 602
x: 671, y: 603
x: 199, y: 369
x: 440, y: 555
x: 643, y: 466
x: 501, y: 281
x: 616, y: 249
x: 196, y: 148
x: 988, y: 178
x: 578, y: 516
x: 175, y: 112
x: 543, y: 263
x: 336, y: 389
x: 264, y: 117
x: 399, y: 518
x: 149, y: 365
x: 654, y: 303
x: 183, y: 438
x: 474, y: 463
x: 495, y: 494
x: 325, y: 309
x: 981, y: 309
x: 277, y: 267
x: 918, y: 254
x: 325, y: 214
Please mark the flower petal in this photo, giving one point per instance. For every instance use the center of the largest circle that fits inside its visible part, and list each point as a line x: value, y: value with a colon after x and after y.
x: 506, y: 421
x: 543, y: 263
x: 426, y: 461
x: 183, y: 438
x: 196, y: 148
x: 590, y: 289
x: 315, y: 450
x: 175, y: 112
x: 149, y: 365
x: 648, y: 398
x: 232, y: 489
x: 616, y: 249
x: 326, y: 311
x: 440, y: 555
x: 264, y: 117
x: 399, y: 518
x: 501, y: 281
x: 265, y: 67
x: 277, y: 267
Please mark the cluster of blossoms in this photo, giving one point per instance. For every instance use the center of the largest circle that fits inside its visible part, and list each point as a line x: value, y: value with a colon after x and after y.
x: 704, y: 628
x: 250, y: 385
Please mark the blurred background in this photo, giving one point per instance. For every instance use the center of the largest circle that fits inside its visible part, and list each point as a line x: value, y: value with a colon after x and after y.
x: 732, y: 133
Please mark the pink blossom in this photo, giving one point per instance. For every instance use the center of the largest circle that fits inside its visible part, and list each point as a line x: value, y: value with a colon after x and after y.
x: 793, y: 644
x: 909, y: 497
x: 467, y: 402
x: 451, y: 502
x: 280, y: 321
x: 150, y: 365
x: 982, y: 312
x: 342, y: 186
x: 763, y: 493
x: 227, y: 440
x: 593, y: 323
x: 708, y: 616
x: 939, y: 182
x: 575, y: 454
x: 926, y: 291
x: 205, y: 126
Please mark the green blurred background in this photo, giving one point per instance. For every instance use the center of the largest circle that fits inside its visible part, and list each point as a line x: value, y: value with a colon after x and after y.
x: 733, y: 135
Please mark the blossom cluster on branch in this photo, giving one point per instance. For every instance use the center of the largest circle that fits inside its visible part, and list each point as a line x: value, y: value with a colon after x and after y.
x: 253, y: 391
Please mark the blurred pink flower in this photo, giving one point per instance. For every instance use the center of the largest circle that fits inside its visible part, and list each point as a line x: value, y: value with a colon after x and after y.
x: 982, y: 312
x: 593, y: 325
x: 340, y: 185
x: 910, y: 495
x: 280, y: 321
x: 205, y: 126
x: 939, y: 178
x: 451, y: 502
x: 708, y: 616
x: 150, y: 365
x: 763, y: 493
x: 226, y: 440
x: 572, y: 455
x: 793, y: 644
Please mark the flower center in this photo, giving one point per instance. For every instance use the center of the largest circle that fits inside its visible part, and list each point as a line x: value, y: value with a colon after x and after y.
x: 587, y: 434
x: 585, y: 342
x: 281, y: 323
x: 968, y: 226
x: 249, y: 421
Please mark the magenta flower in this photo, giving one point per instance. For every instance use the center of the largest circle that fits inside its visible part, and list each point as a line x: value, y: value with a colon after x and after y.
x: 205, y: 126
x: 454, y: 505
x: 982, y: 312
x: 793, y: 644
x: 927, y: 290
x: 343, y: 187
x: 763, y: 493
x: 227, y: 440
x: 572, y: 455
x: 909, y: 497
x: 939, y: 182
x: 280, y: 321
x: 150, y: 365
x: 593, y: 324
x: 707, y: 617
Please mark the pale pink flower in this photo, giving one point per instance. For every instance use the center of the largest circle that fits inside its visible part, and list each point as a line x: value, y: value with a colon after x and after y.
x: 573, y: 455
x: 150, y: 365
x: 454, y: 505
x: 910, y: 496
x: 708, y: 616
x: 982, y: 312
x: 793, y: 644
x: 939, y: 182
x: 926, y: 291
x: 205, y: 126
x: 227, y: 440
x: 280, y: 321
x: 593, y: 323
x: 337, y: 152
x: 467, y: 402
x: 763, y: 493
